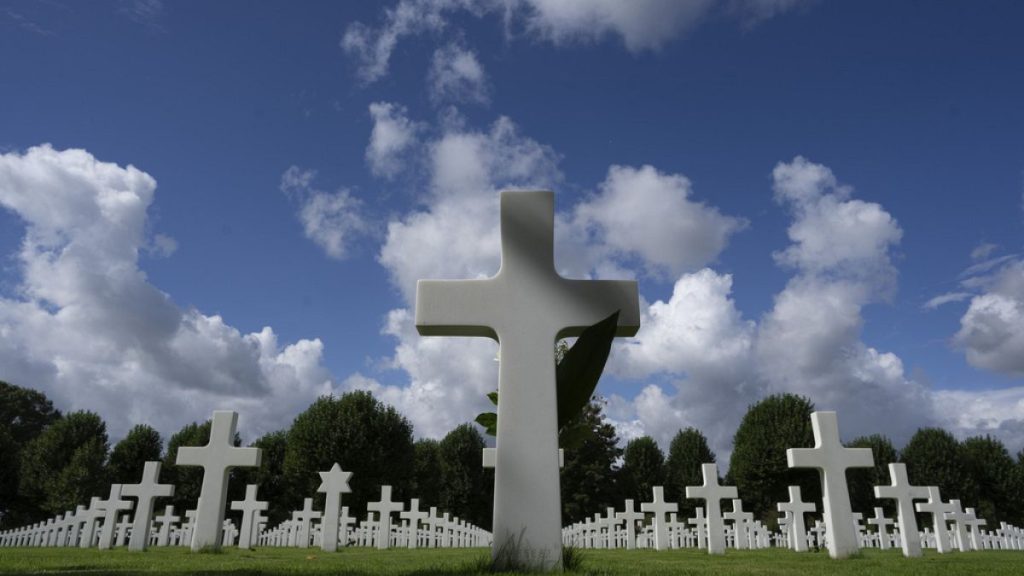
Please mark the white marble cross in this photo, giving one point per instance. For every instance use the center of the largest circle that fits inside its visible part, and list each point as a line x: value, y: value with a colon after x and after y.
x: 832, y: 459
x: 882, y: 523
x: 712, y: 493
x: 385, y: 507
x: 526, y: 307
x: 146, y: 491
x: 741, y: 524
x: 333, y: 483
x: 122, y: 529
x: 250, y: 508
x: 975, y: 523
x: 904, y: 494
x: 304, y: 518
x: 217, y: 458
x: 630, y: 516
x: 166, y: 521
x: 659, y: 507
x: 344, y: 521
x: 700, y: 527
x: 112, y: 507
x: 795, y: 510
x: 91, y: 515
x: 959, y: 519
x: 414, y: 515
x: 938, y: 509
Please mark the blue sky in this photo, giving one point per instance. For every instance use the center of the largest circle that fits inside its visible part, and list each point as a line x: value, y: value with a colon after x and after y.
x: 819, y: 172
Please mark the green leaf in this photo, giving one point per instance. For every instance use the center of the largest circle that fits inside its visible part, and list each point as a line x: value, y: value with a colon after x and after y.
x: 572, y: 436
x: 494, y: 397
x: 577, y: 374
x: 489, y: 420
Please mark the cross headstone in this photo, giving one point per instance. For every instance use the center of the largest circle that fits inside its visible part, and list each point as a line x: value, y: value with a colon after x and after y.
x: 414, y: 515
x: 250, y: 508
x: 526, y: 307
x: 659, y: 507
x: 333, y: 483
x: 975, y: 524
x: 699, y: 523
x: 881, y: 522
x: 146, y: 491
x: 92, y: 515
x: 904, y: 494
x: 712, y: 493
x: 796, y: 508
x: 122, y: 530
x: 304, y: 518
x: 217, y: 458
x: 959, y: 519
x: 631, y: 517
x: 166, y: 521
x: 344, y: 521
x: 831, y: 459
x: 741, y: 524
x: 938, y: 509
x: 385, y: 507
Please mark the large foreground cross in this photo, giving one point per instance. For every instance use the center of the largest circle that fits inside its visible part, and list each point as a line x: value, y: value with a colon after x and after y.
x: 526, y: 307
x: 831, y: 459
x: 217, y: 458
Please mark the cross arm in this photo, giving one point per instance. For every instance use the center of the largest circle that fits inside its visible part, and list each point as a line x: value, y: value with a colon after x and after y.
x: 455, y: 308
x: 600, y: 298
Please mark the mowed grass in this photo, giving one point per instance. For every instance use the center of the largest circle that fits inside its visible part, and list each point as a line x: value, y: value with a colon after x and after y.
x: 363, y: 561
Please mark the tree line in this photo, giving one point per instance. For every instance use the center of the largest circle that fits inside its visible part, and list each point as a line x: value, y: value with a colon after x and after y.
x: 51, y: 462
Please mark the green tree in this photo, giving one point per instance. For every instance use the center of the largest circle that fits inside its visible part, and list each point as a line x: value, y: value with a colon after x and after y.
x: 365, y: 437
x: 758, y: 465
x: 862, y: 481
x: 993, y: 477
x: 643, y: 468
x: 687, y: 452
x: 64, y: 465
x: 934, y: 458
x: 589, y: 482
x: 24, y: 413
x: 269, y: 476
x: 466, y: 486
x: 427, y: 473
x: 129, y: 456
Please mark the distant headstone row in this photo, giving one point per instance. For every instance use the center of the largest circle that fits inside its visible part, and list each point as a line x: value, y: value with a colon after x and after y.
x: 841, y: 531
x: 108, y: 523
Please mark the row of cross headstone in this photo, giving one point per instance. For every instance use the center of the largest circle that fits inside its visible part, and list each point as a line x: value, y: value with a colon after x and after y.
x: 841, y: 531
x: 102, y: 523
x: 418, y: 528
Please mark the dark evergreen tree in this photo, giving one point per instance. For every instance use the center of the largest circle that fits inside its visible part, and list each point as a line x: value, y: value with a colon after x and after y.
x: 427, y: 473
x: 129, y: 456
x: 467, y: 488
x: 687, y: 452
x: 643, y: 468
x: 589, y: 477
x: 24, y: 413
x: 758, y: 465
x: 64, y: 465
x: 365, y: 437
x: 992, y: 477
x: 862, y: 481
x: 934, y: 458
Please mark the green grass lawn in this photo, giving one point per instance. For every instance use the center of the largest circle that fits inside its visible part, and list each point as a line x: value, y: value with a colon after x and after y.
x: 359, y: 561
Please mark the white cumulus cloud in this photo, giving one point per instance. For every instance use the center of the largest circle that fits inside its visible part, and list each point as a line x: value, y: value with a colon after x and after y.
x: 86, y: 327
x: 393, y: 135
x: 332, y: 220
x: 456, y: 75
